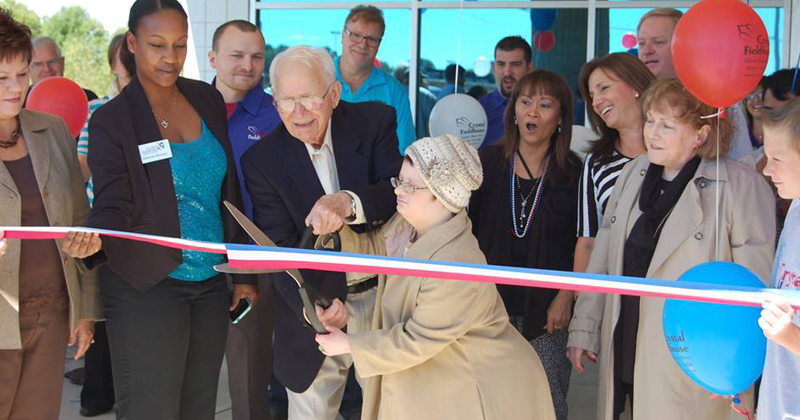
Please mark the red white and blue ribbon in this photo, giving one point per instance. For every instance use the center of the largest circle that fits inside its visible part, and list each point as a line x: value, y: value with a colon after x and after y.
x: 263, y: 257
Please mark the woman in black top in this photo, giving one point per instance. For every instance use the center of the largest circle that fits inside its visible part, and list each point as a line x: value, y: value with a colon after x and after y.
x: 524, y: 214
x: 166, y: 309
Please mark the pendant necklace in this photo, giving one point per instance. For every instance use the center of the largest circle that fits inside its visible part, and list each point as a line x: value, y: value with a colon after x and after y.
x: 164, y: 122
x: 521, y: 229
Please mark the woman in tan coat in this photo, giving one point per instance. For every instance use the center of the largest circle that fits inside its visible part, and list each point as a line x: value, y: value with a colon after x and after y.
x: 439, y: 349
x: 660, y: 222
x: 46, y: 299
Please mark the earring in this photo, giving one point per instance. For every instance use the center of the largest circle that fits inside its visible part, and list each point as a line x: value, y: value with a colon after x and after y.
x: 559, y: 127
x: 515, y: 119
x: 636, y: 94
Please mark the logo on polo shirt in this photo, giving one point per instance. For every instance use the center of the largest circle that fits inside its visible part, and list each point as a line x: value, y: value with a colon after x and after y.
x: 253, y: 133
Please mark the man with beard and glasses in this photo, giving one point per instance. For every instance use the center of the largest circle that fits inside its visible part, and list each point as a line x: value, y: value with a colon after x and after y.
x: 512, y: 61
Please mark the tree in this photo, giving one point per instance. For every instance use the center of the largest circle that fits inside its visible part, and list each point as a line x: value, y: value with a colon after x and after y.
x: 84, y: 43
x: 21, y: 13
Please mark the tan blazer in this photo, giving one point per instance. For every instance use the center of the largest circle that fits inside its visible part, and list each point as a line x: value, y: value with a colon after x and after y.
x: 443, y: 349
x: 55, y: 163
x: 747, y: 223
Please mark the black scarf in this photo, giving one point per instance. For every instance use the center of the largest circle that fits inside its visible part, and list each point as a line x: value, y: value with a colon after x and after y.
x: 656, y: 207
x: 656, y: 201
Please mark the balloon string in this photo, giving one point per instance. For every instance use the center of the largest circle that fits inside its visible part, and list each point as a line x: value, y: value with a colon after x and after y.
x: 458, y: 45
x: 796, y: 68
x: 743, y: 411
x: 716, y: 189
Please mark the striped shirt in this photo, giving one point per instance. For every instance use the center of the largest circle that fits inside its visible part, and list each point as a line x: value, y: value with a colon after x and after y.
x: 596, y: 185
x: 83, y: 141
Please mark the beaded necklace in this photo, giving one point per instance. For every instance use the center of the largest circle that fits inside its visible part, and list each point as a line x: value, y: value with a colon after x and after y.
x: 521, y: 231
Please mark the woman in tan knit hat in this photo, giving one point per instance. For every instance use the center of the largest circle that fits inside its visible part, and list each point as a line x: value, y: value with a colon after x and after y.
x: 439, y: 349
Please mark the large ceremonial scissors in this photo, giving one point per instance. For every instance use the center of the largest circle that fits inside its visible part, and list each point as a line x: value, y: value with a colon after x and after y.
x: 306, y: 241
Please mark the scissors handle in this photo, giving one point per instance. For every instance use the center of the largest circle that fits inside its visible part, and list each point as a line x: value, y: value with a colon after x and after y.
x: 308, y: 240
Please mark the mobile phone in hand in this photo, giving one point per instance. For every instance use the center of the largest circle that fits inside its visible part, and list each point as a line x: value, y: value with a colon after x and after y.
x: 241, y: 310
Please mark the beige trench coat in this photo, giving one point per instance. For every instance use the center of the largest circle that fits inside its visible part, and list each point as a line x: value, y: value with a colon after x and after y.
x: 55, y: 163
x: 443, y: 349
x: 747, y: 223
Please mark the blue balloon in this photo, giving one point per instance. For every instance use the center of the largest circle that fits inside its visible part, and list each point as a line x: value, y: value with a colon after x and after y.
x: 719, y: 346
x: 543, y: 19
x: 634, y: 52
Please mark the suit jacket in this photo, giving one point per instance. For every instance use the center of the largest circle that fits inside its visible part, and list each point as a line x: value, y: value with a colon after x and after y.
x: 284, y: 186
x: 747, y: 237
x: 134, y: 197
x: 442, y: 349
x: 58, y: 174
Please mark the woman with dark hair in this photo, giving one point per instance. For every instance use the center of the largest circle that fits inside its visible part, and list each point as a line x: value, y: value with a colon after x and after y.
x: 524, y: 215
x: 611, y: 86
x: 97, y: 395
x: 662, y: 220
x: 47, y: 300
x: 166, y: 309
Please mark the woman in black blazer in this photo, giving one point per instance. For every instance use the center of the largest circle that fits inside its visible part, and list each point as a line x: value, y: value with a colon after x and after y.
x: 524, y: 213
x: 162, y: 164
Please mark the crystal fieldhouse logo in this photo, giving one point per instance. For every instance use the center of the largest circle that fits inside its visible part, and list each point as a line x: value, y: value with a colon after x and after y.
x: 253, y: 133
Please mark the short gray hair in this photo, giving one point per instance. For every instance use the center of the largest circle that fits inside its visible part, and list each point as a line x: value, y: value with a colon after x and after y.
x: 42, y: 40
x: 313, y: 58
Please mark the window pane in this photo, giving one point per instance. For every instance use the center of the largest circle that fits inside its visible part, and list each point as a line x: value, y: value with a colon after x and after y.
x: 480, y: 30
x: 323, y: 28
x: 613, y: 24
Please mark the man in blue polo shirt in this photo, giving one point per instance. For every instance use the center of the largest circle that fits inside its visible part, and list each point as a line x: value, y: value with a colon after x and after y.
x: 361, y: 80
x: 238, y: 58
x: 512, y: 61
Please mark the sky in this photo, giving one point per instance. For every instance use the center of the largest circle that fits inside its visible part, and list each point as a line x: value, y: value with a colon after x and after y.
x: 447, y: 35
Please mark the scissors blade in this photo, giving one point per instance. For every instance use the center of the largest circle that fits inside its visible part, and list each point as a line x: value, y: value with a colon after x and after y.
x: 260, y: 238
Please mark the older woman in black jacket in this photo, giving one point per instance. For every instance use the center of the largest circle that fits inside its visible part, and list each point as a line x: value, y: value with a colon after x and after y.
x: 524, y: 214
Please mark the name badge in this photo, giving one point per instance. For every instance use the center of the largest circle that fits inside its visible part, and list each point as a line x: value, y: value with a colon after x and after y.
x: 155, y: 151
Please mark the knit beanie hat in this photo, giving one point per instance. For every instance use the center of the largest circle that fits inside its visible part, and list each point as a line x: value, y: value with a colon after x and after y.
x: 450, y: 168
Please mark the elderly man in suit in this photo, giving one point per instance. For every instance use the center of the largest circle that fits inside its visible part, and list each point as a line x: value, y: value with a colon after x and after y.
x: 327, y: 164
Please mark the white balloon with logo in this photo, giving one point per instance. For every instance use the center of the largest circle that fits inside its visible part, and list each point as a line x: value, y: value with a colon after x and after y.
x: 460, y: 115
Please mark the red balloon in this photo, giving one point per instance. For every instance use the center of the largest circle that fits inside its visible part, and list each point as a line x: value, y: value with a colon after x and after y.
x: 62, y: 97
x: 544, y: 41
x: 377, y: 63
x: 629, y: 40
x: 720, y: 49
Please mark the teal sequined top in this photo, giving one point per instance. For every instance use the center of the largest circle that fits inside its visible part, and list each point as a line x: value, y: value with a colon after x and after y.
x: 198, y: 170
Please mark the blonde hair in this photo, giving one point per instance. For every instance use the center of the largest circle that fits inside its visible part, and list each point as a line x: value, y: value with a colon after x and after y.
x: 313, y: 58
x: 670, y: 95
x: 786, y: 118
x: 666, y: 12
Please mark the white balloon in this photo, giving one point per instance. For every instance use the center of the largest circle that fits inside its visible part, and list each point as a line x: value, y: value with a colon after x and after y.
x: 460, y: 115
x: 482, y: 66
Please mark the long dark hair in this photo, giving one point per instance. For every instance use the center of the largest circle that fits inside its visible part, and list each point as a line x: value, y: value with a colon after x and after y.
x: 621, y: 66
x: 551, y: 84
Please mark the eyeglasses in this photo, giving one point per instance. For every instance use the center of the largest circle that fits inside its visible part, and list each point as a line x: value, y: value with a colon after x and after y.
x: 356, y: 38
x: 56, y: 62
x: 310, y: 102
x: 405, y: 187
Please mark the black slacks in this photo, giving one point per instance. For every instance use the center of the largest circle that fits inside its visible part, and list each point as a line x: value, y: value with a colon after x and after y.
x: 249, y: 357
x: 166, y: 346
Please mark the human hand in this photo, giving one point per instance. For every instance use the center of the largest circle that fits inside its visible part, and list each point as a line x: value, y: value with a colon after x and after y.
x: 560, y: 311
x: 776, y: 322
x: 240, y: 291
x: 83, y: 334
x: 334, y: 343
x: 81, y: 244
x: 329, y: 213
x: 576, y: 355
x: 336, y: 316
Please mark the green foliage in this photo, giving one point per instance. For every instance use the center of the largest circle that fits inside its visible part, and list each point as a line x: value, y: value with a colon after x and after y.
x: 84, y: 44
x: 22, y: 14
